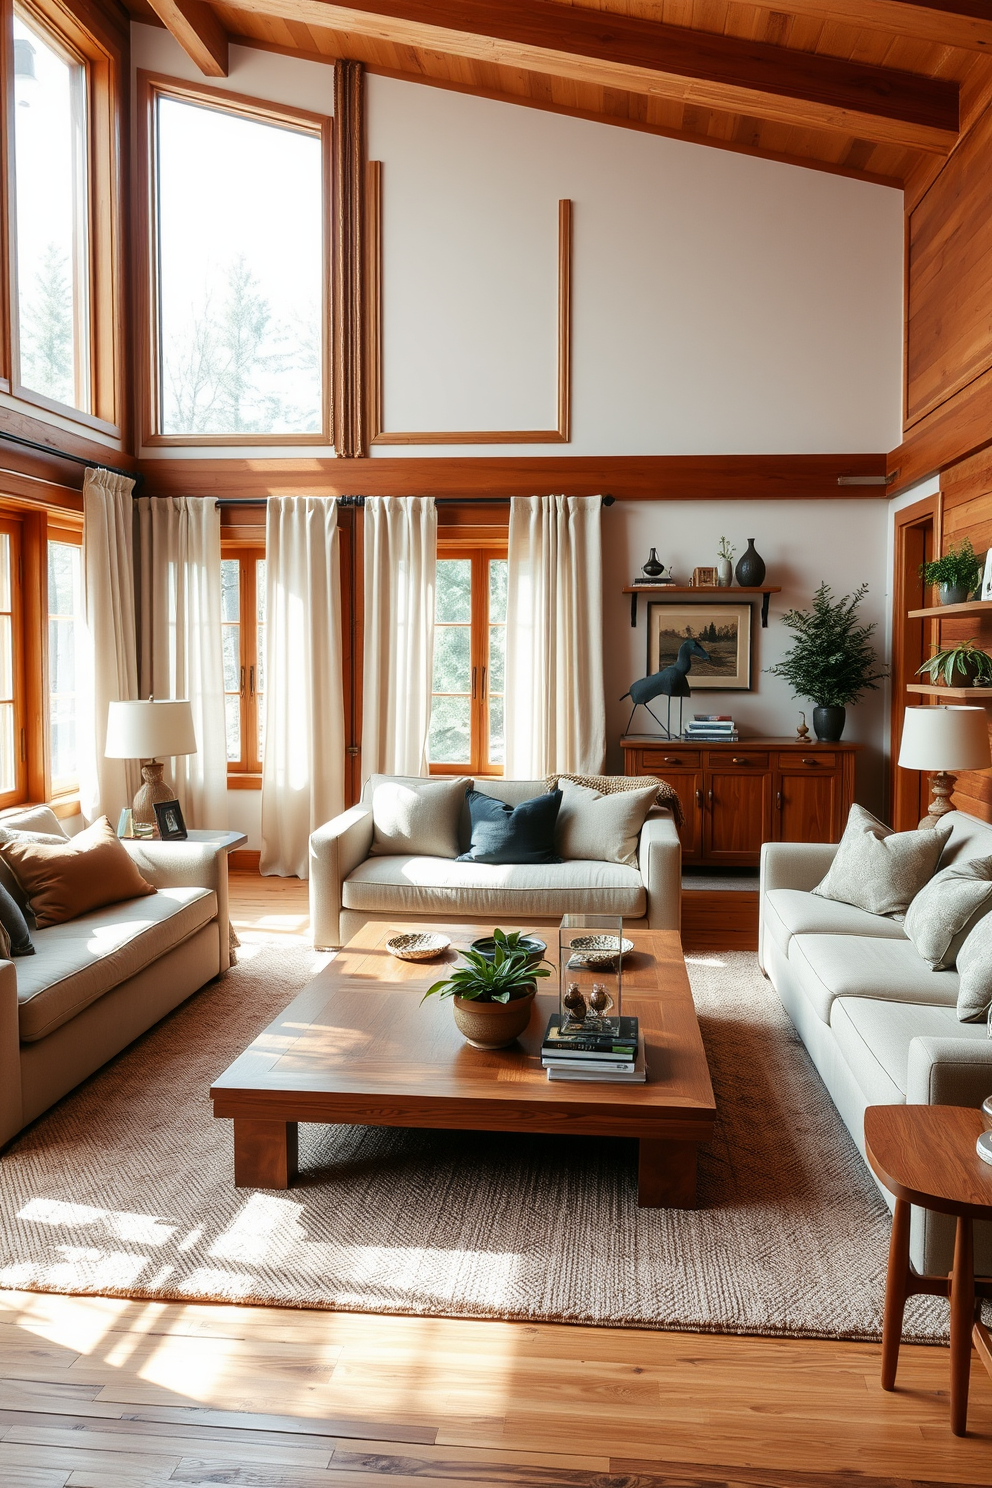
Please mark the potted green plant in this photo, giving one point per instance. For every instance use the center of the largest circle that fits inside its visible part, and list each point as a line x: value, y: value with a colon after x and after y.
x: 493, y: 995
x: 832, y: 660
x: 956, y: 573
x: 959, y: 666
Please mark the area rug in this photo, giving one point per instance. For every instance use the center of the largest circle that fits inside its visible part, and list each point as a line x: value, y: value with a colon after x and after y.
x: 126, y: 1189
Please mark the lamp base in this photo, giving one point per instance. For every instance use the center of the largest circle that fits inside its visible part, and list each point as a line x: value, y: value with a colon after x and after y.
x: 942, y: 788
x: 154, y: 789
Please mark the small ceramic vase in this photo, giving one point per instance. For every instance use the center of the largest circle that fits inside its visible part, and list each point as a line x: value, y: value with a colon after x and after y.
x: 654, y: 568
x: 751, y: 567
x: 724, y: 572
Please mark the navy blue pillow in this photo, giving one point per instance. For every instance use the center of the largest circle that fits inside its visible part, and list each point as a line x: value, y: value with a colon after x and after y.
x: 15, y: 925
x: 512, y: 834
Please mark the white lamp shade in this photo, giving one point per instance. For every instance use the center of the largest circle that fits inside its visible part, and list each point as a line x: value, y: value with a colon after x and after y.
x: 945, y: 738
x: 151, y: 730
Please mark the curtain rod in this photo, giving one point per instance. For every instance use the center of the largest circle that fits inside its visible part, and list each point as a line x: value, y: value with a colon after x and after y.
x: 360, y: 501
x: 46, y: 449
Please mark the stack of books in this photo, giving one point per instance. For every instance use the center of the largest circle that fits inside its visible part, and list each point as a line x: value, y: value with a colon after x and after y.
x: 712, y: 726
x: 580, y: 1054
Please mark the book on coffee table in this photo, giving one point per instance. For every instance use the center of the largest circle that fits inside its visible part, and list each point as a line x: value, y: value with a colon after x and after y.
x: 582, y: 1044
x: 626, y: 1074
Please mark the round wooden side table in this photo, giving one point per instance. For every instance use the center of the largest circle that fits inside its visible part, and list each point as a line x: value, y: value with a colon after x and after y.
x: 926, y: 1155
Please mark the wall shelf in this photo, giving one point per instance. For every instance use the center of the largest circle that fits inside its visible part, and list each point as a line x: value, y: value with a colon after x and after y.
x: 709, y: 591
x: 970, y: 607
x: 950, y: 692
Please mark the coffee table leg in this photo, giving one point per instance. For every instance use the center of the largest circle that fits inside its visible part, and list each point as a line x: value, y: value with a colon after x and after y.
x: 962, y: 1321
x: 666, y: 1174
x: 896, y: 1287
x: 265, y: 1153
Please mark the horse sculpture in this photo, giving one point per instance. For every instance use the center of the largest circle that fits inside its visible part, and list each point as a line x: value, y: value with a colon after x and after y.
x: 671, y: 681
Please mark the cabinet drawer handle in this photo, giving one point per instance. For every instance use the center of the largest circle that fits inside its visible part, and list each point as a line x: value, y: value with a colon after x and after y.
x: 813, y: 763
x: 736, y: 761
x: 672, y: 759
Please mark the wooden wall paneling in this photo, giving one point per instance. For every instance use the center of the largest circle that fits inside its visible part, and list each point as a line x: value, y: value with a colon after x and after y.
x: 350, y: 378
x: 953, y: 431
x: 947, y: 23
x: 913, y: 544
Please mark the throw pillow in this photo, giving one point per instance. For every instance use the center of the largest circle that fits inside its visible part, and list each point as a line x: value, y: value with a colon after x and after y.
x: 606, y: 785
x: 512, y: 834
x: 85, y: 872
x: 602, y: 827
x: 416, y: 818
x: 944, y: 911
x: 879, y: 870
x: 15, y: 926
x: 975, y: 973
x: 8, y: 880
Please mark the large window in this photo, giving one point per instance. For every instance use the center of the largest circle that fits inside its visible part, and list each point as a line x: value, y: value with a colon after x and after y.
x: 12, y: 741
x: 243, y: 616
x: 466, y: 731
x: 238, y: 270
x: 65, y: 626
x: 52, y: 227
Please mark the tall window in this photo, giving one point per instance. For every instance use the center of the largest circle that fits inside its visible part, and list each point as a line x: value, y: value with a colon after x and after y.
x: 12, y: 743
x: 52, y: 215
x: 65, y: 622
x: 239, y: 271
x: 243, y: 615
x: 466, y: 731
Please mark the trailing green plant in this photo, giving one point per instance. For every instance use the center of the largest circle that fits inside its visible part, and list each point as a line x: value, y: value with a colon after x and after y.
x: 972, y: 663
x: 726, y: 549
x: 832, y: 660
x: 958, y: 567
x: 510, y: 973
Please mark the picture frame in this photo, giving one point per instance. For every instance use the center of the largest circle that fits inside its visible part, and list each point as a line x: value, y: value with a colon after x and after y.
x: 727, y: 628
x: 169, y: 816
x: 986, y: 589
x: 704, y: 578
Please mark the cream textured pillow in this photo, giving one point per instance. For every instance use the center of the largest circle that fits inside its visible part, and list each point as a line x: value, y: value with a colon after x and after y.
x: 416, y: 818
x: 603, y: 827
x: 944, y: 911
x: 879, y: 870
x: 975, y: 973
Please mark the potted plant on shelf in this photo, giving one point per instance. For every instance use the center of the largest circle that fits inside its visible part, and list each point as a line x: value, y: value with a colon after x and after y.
x: 956, y: 573
x: 493, y: 995
x: 959, y: 666
x: 832, y: 660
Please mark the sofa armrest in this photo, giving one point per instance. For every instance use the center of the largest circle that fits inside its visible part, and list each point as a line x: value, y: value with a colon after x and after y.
x: 336, y: 849
x: 659, y: 857
x: 187, y: 865
x: 10, y: 1055
x: 949, y: 1072
x: 794, y: 865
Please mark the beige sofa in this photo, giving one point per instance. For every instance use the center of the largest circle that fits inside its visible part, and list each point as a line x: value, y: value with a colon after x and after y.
x: 879, y: 1024
x: 348, y: 887
x: 97, y: 982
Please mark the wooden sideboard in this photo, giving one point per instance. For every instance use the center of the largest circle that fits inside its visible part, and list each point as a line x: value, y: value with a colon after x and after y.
x: 737, y: 796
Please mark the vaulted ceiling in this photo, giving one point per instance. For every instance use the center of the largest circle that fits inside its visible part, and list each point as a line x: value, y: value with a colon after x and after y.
x: 873, y: 88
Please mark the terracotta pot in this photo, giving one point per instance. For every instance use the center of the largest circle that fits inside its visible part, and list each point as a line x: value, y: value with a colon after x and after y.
x: 492, y: 1025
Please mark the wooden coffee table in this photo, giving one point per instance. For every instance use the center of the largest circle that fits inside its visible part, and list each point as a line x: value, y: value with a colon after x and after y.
x: 356, y: 1048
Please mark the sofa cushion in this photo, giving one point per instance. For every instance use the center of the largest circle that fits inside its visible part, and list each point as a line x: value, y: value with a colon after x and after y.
x: 39, y: 824
x: 413, y: 815
x: 63, y: 882
x: 601, y: 825
x: 437, y: 886
x: 15, y: 925
x: 975, y: 971
x: 945, y: 909
x: 791, y: 912
x: 874, y: 1037
x: 504, y: 834
x: 76, y: 962
x: 831, y: 966
x: 880, y: 870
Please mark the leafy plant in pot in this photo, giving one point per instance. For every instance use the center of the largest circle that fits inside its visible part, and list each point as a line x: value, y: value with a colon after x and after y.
x: 956, y: 573
x: 832, y: 660
x: 966, y: 665
x: 493, y: 994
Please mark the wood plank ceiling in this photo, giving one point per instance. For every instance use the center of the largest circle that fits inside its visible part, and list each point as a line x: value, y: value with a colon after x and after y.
x: 872, y: 88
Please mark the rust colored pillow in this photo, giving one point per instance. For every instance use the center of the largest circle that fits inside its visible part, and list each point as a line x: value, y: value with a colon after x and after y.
x: 86, y: 872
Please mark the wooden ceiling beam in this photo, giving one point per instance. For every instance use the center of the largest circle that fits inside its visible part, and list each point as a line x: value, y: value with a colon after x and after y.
x: 957, y: 23
x: 712, y: 71
x: 197, y: 29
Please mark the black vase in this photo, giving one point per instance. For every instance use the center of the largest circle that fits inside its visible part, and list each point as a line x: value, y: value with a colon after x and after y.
x: 751, y: 568
x: 653, y: 567
x: 828, y: 724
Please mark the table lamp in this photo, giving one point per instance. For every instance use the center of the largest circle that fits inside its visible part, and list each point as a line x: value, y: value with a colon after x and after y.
x: 142, y: 731
x: 940, y: 740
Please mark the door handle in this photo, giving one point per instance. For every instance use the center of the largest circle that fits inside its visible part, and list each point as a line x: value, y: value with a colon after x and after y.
x: 474, y: 672
x: 251, y: 681
x: 242, y: 681
x: 699, y: 799
x: 778, y: 800
x: 710, y: 794
x: 484, y: 670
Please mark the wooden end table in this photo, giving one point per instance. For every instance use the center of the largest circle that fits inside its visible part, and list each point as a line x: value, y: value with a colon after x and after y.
x: 925, y: 1155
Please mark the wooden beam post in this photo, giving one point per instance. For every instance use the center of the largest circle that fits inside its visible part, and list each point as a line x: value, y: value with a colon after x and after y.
x: 198, y: 30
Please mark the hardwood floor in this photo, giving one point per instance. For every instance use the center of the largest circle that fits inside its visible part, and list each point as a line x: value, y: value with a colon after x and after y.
x: 107, y: 1393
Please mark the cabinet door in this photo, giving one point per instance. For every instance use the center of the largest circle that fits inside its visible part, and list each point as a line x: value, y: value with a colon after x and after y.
x: 737, y: 815
x: 808, y: 806
x: 689, y: 784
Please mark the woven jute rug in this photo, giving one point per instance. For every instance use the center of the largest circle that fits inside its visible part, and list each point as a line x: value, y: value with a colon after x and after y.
x: 126, y: 1188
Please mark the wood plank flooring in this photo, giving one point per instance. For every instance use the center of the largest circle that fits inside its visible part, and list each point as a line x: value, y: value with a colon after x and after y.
x: 108, y: 1393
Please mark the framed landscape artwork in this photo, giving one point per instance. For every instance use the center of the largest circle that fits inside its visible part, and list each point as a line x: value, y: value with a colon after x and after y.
x: 723, y: 631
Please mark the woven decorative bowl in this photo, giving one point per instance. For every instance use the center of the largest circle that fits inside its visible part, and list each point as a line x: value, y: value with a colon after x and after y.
x: 597, y: 950
x: 422, y: 946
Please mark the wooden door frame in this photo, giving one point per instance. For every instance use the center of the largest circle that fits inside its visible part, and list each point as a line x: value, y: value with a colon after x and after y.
x: 913, y: 526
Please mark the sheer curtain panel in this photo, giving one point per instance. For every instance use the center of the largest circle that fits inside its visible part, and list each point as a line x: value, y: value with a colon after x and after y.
x: 555, y: 703
x: 177, y: 583
x: 109, y: 651
x: 303, y: 758
x: 400, y: 568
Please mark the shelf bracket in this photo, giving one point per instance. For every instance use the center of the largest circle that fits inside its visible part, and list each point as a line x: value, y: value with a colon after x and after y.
x: 633, y: 610
x: 764, y: 609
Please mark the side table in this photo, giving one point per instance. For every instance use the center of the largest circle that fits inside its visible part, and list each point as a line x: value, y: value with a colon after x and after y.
x: 925, y: 1155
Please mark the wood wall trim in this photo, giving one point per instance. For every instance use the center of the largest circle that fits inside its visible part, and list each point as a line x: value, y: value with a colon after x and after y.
x: 953, y: 432
x: 561, y: 434
x: 957, y: 23
x: 350, y: 337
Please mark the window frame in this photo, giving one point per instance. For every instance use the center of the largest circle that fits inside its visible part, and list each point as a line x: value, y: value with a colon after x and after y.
x: 480, y: 551
x: 152, y: 87
x: 11, y: 525
x: 246, y: 773
x: 63, y: 791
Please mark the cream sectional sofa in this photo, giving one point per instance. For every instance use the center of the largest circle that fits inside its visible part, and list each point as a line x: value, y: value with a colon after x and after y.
x: 348, y: 887
x: 95, y: 983
x: 879, y: 1024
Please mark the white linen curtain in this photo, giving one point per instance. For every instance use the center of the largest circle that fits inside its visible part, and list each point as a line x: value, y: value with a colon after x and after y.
x: 177, y: 585
x: 555, y: 703
x: 303, y: 769
x: 108, y: 669
x: 400, y: 571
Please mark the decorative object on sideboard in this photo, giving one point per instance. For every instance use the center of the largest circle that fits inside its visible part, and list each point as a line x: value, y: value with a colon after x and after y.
x: 654, y: 568
x: 725, y: 563
x: 722, y: 629
x: 832, y: 660
x: 704, y: 578
x: 169, y: 820
x: 802, y: 729
x: 671, y: 681
x: 987, y: 577
x: 941, y: 741
x: 966, y: 665
x: 956, y: 573
x: 751, y: 567
x: 493, y: 998
x: 143, y: 730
